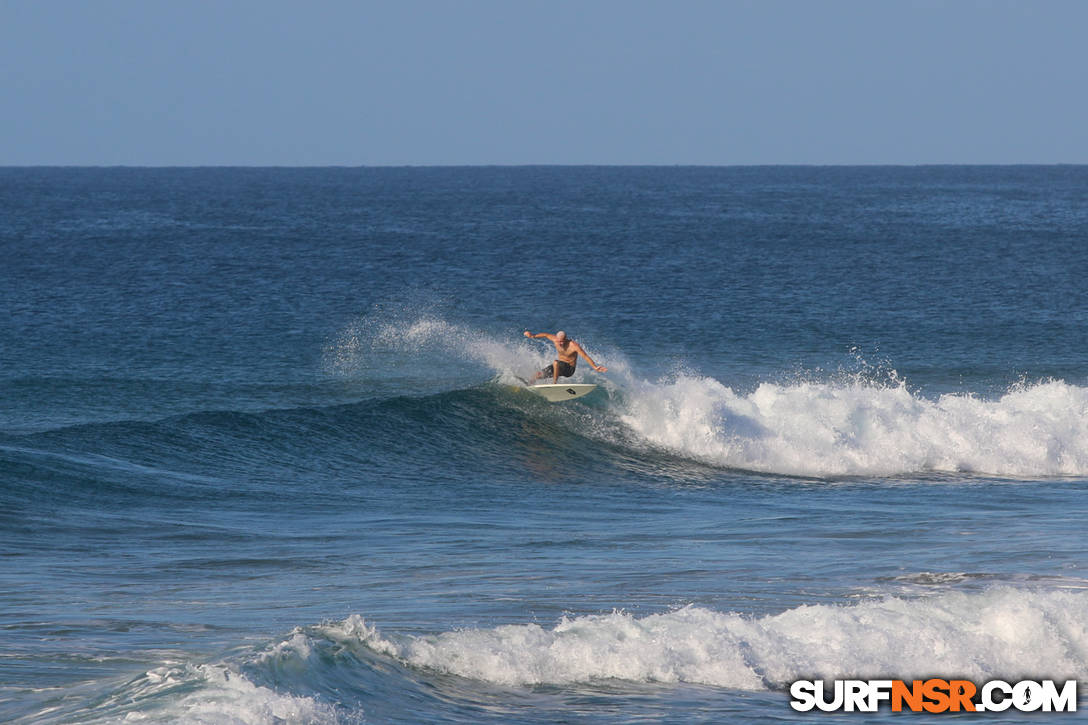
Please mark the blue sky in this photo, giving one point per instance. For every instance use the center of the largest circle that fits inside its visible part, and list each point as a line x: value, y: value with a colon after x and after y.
x: 241, y: 82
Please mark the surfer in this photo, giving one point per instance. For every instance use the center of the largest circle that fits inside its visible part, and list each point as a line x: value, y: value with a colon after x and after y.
x: 568, y: 351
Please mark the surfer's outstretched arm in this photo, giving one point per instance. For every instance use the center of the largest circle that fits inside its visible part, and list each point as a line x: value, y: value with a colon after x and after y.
x: 595, y: 366
x: 546, y: 335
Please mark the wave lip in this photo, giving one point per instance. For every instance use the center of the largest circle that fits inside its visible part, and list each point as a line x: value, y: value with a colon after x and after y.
x: 195, y: 693
x: 827, y: 429
x: 1002, y: 632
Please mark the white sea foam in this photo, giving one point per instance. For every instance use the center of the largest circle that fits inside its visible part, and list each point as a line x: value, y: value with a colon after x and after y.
x: 856, y: 428
x: 212, y: 694
x: 999, y: 633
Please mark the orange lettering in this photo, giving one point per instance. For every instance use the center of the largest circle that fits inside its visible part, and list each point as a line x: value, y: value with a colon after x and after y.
x: 911, y: 695
x: 961, y: 692
x: 937, y: 693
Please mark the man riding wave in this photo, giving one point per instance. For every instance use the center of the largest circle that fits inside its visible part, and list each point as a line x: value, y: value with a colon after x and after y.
x: 568, y: 351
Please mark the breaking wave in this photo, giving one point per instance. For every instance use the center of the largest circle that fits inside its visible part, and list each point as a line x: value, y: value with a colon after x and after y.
x: 865, y: 424
x: 826, y: 429
x: 1002, y: 632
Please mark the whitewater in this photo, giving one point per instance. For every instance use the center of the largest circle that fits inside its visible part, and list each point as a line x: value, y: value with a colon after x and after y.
x: 1000, y: 633
x: 858, y: 429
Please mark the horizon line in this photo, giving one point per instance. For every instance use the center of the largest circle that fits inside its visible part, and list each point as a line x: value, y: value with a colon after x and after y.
x: 544, y: 165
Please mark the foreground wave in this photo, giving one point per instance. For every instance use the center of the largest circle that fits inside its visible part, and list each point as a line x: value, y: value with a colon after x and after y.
x: 1002, y: 632
x: 335, y: 671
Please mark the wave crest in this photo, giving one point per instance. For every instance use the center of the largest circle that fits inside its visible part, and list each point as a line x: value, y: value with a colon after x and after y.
x: 834, y: 429
x: 1001, y: 632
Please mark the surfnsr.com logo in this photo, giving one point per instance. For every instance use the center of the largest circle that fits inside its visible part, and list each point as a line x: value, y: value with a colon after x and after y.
x: 934, y: 695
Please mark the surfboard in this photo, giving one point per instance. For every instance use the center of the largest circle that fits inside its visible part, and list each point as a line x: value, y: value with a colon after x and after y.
x: 558, y: 392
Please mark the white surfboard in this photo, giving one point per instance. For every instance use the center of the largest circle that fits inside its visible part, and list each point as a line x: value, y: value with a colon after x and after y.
x: 558, y: 392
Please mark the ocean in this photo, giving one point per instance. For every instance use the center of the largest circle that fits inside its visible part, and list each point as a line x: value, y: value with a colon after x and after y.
x: 265, y: 457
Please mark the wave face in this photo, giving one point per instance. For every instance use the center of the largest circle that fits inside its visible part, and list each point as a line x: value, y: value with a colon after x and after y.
x: 806, y: 429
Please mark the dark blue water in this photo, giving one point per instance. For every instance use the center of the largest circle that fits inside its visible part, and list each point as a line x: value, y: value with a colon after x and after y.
x: 264, y: 455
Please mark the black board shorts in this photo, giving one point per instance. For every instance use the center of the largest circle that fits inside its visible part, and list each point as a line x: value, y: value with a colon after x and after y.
x: 566, y: 369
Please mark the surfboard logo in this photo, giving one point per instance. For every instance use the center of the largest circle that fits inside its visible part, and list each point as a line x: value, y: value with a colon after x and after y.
x: 571, y: 391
